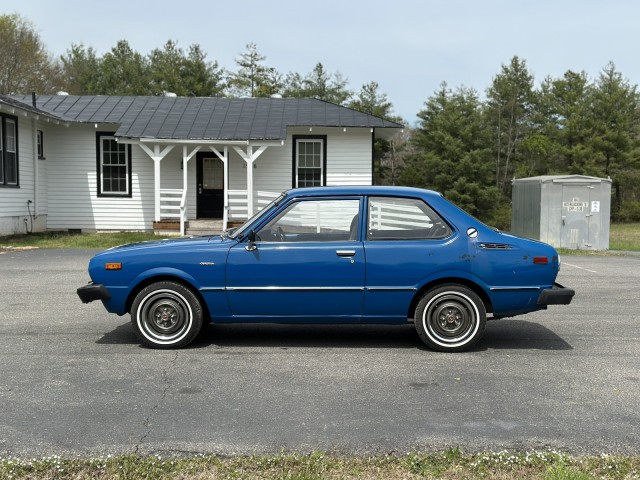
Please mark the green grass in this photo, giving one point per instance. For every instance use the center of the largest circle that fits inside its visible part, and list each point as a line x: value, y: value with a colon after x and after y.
x: 74, y: 240
x: 451, y: 464
x: 625, y: 236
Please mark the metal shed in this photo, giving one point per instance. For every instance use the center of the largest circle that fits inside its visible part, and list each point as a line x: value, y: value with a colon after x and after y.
x: 566, y: 211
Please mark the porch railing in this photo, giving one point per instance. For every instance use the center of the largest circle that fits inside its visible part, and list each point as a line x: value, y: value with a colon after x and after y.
x: 238, y: 209
x: 173, y: 205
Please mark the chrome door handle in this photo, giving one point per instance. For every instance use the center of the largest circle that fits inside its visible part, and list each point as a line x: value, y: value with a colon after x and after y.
x: 345, y: 253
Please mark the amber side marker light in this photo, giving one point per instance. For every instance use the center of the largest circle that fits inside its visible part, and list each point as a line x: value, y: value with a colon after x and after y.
x: 541, y: 260
x: 113, y: 266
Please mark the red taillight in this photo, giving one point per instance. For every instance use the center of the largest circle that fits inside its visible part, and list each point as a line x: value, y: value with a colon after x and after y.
x: 541, y: 260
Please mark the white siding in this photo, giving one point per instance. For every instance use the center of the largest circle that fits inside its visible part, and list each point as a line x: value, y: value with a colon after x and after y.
x: 349, y: 157
x: 72, y: 184
x: 348, y: 161
x: 14, y: 206
x: 67, y: 189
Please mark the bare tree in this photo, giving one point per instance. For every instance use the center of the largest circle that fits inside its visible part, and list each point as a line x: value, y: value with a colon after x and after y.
x: 25, y: 64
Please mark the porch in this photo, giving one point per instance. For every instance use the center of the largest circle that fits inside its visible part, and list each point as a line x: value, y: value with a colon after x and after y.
x: 175, y: 214
x: 175, y: 218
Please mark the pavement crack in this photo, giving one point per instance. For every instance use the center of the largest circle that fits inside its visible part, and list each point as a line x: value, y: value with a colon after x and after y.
x: 148, y: 421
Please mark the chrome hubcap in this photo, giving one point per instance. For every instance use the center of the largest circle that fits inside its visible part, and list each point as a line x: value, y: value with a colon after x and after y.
x: 164, y: 316
x: 450, y: 318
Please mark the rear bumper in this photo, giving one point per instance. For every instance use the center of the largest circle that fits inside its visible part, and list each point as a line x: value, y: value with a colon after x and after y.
x: 92, y: 292
x: 556, y: 295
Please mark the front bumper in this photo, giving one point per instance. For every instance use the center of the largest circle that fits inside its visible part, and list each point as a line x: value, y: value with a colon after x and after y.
x: 92, y: 292
x: 556, y: 295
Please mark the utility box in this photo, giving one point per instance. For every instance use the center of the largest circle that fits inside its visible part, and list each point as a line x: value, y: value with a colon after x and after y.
x: 565, y: 211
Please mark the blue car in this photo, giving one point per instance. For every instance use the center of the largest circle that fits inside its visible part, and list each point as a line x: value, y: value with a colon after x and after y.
x: 339, y: 255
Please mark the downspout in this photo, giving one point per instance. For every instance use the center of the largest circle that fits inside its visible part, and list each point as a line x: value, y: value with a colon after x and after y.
x: 36, y: 177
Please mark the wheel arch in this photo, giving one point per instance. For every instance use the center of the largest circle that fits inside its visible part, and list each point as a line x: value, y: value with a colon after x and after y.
x: 477, y: 289
x: 167, y: 277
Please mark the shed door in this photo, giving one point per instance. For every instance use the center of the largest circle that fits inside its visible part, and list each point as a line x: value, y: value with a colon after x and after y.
x: 576, y: 215
x: 210, y: 196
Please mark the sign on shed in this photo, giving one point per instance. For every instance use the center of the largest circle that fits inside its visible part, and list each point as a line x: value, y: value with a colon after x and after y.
x: 566, y: 211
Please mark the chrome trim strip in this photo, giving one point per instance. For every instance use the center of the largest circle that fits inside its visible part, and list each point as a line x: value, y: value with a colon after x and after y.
x: 497, y: 289
x: 304, y: 289
x: 294, y: 289
x: 382, y: 289
x: 212, y: 289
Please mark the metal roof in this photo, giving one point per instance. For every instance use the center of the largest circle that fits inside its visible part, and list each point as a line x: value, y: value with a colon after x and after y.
x: 202, y: 118
x: 573, y: 178
x: 27, y: 107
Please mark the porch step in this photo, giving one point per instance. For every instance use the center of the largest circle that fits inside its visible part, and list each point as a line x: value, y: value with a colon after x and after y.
x: 166, y: 228
x: 204, y: 227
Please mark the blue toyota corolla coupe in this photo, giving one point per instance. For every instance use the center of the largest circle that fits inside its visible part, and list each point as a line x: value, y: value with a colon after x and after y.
x: 375, y: 255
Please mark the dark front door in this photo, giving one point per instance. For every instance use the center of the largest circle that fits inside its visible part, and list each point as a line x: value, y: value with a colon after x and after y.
x: 210, y: 196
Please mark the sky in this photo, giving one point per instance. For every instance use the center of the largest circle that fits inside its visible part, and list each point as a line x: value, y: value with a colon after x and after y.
x: 409, y: 47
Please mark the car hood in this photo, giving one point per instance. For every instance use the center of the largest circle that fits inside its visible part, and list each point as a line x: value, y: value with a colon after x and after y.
x: 169, y: 244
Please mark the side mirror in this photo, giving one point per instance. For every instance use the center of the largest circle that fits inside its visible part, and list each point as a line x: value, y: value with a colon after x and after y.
x: 251, y: 239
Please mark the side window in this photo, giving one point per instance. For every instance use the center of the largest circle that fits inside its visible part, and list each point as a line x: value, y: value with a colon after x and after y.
x: 314, y: 221
x: 114, y: 167
x: 40, y: 137
x: 8, y: 151
x: 403, y: 219
x: 309, y: 160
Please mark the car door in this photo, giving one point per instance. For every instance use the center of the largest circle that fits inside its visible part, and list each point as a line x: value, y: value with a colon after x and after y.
x: 406, y: 243
x: 306, y: 264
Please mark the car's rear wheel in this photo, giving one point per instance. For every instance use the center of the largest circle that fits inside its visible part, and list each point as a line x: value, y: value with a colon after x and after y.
x: 450, y: 318
x: 166, y: 315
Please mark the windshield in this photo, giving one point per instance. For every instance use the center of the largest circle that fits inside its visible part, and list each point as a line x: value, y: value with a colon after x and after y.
x: 240, y: 232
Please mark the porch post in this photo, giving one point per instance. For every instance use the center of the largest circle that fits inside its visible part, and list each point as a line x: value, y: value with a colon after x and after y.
x: 185, y: 176
x: 224, y: 157
x: 250, y: 157
x: 249, y: 161
x: 156, y: 187
x: 157, y: 156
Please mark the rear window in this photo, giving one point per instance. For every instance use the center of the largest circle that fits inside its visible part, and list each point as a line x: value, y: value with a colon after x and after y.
x: 394, y: 218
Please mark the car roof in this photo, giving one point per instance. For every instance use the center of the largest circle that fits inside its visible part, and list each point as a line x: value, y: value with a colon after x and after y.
x: 362, y: 190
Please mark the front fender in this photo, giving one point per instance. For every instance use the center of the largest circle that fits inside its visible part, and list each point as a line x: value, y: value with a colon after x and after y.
x: 121, y: 296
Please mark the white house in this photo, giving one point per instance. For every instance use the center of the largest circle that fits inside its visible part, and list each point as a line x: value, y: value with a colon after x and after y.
x: 96, y: 163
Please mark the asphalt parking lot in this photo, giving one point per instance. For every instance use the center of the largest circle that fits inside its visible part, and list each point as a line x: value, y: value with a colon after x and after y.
x: 74, y: 381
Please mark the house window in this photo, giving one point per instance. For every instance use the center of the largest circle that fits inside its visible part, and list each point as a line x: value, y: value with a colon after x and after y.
x: 8, y: 151
x: 40, y: 137
x: 309, y: 161
x: 114, y: 167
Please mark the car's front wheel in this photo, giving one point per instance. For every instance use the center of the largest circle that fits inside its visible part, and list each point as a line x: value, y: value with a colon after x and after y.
x: 166, y: 315
x: 450, y: 318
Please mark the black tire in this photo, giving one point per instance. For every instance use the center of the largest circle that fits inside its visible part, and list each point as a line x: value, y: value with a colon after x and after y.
x: 166, y: 315
x: 450, y: 318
